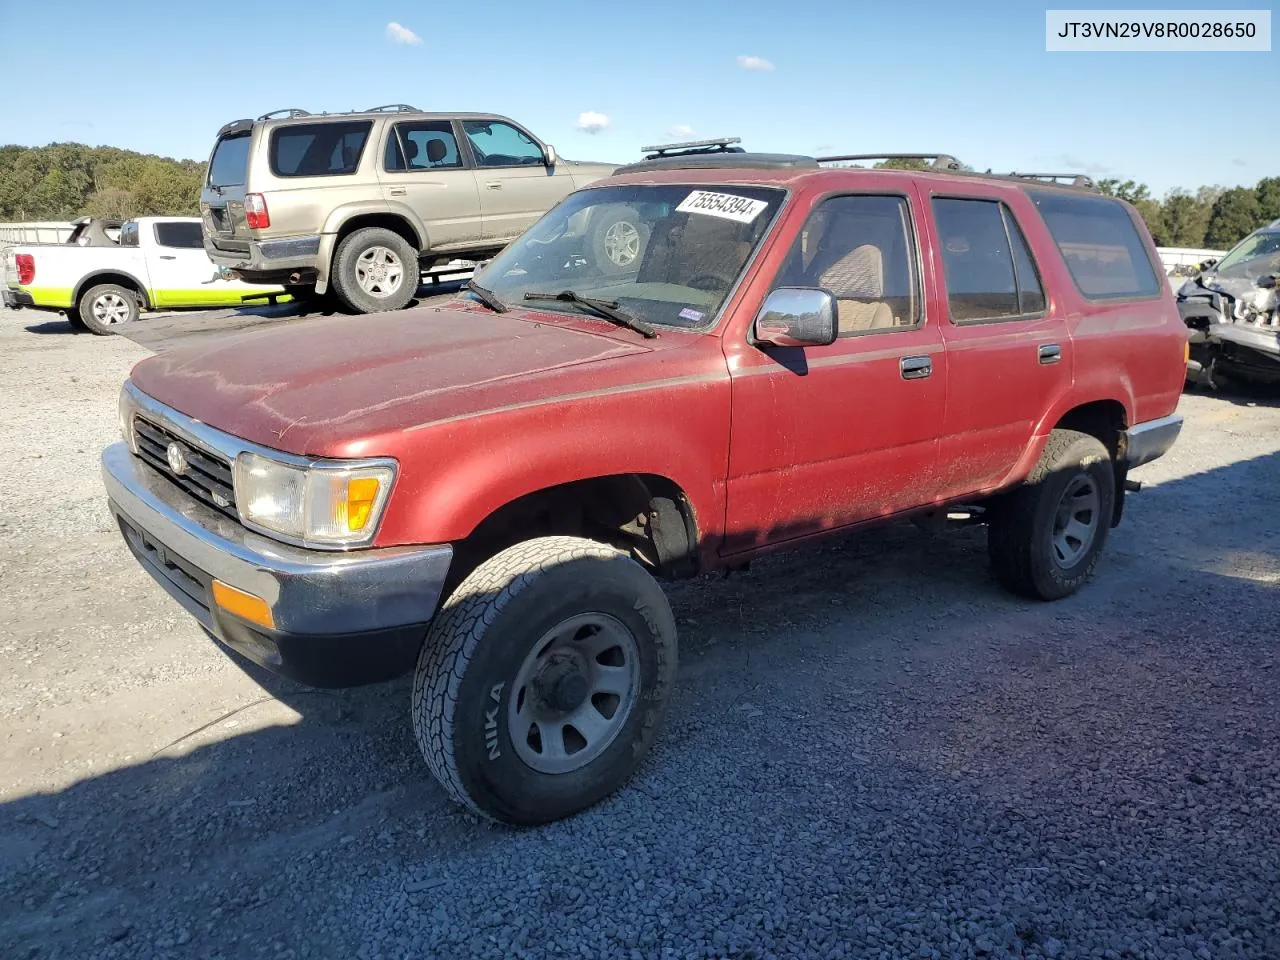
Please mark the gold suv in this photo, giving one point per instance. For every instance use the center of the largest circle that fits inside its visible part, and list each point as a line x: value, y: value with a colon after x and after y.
x: 361, y: 203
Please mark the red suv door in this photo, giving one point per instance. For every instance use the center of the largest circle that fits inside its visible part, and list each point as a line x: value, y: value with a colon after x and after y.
x: 826, y: 436
x: 1008, y: 348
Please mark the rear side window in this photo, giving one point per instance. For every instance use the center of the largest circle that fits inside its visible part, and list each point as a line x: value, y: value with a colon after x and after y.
x: 183, y: 235
x: 428, y: 145
x: 129, y: 234
x: 1101, y: 245
x: 230, y: 161
x: 318, y: 149
x: 989, y: 270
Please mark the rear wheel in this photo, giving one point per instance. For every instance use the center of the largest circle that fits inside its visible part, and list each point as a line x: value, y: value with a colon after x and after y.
x: 104, y: 309
x: 375, y: 270
x: 544, y: 681
x: 1045, y: 537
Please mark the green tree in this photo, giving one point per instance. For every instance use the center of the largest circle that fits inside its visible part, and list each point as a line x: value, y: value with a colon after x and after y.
x: 1268, y: 194
x: 1235, y: 214
x: 1185, y: 219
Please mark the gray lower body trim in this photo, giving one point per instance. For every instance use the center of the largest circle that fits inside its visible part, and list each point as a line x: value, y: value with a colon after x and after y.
x: 319, y: 593
x: 1151, y: 440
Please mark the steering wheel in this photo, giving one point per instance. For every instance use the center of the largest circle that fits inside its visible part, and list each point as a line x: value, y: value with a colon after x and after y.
x: 712, y: 282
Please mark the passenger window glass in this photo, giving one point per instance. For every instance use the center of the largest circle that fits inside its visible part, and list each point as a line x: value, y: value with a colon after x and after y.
x: 318, y: 149
x: 1100, y: 244
x: 1030, y: 291
x: 863, y: 250
x: 978, y: 262
x: 422, y: 146
x: 498, y: 144
x: 182, y: 235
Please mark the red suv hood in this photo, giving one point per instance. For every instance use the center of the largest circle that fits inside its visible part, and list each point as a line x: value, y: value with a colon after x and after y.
x: 314, y: 389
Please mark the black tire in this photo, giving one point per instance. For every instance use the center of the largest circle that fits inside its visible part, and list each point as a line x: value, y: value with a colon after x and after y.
x: 467, y: 688
x: 618, y: 241
x: 104, y: 309
x: 344, y: 277
x: 1026, y: 537
x: 73, y: 318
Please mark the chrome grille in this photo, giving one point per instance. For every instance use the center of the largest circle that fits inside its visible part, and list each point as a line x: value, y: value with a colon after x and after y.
x: 207, y: 477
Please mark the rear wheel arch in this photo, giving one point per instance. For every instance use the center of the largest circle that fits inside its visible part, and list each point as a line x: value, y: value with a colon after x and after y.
x: 395, y: 222
x: 118, y: 277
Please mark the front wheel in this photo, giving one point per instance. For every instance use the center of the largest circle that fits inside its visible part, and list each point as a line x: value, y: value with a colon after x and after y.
x: 543, y: 682
x: 104, y: 309
x: 1045, y: 537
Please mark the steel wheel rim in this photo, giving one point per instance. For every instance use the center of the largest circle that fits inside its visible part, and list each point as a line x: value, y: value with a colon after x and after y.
x: 622, y: 243
x: 379, y: 272
x: 1075, y: 523
x: 110, y: 308
x: 574, y: 693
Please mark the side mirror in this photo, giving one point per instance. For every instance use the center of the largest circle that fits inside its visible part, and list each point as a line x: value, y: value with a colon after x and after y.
x: 549, y: 155
x: 796, y: 317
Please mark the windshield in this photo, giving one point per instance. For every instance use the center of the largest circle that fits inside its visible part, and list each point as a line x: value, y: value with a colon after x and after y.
x: 1255, y: 256
x: 667, y: 254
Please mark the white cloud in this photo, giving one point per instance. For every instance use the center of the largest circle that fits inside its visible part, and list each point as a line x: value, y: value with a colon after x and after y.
x: 399, y: 34
x: 592, y: 122
x: 681, y: 130
x: 759, y: 64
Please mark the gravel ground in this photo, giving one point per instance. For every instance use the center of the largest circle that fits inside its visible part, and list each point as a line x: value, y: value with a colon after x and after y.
x: 872, y: 751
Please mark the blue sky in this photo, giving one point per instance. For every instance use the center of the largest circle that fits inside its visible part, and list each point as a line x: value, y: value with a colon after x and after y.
x: 845, y: 77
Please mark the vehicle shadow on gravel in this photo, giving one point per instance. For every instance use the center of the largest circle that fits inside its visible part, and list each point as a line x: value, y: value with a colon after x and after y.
x: 847, y: 649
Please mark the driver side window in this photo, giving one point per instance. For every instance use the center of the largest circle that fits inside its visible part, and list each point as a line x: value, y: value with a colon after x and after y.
x: 497, y: 144
x: 863, y: 250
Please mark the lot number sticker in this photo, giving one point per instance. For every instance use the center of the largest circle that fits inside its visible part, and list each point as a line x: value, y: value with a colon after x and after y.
x: 723, y: 205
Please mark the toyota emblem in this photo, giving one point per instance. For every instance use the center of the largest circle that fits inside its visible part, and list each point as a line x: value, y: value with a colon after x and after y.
x: 177, y: 458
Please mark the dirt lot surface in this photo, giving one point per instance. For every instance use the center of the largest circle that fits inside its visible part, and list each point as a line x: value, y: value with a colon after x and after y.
x: 872, y: 751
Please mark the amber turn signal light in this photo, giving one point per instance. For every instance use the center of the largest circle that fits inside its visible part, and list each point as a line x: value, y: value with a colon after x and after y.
x: 243, y: 605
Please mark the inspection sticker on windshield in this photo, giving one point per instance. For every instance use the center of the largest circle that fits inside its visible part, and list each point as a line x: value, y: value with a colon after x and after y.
x: 724, y: 205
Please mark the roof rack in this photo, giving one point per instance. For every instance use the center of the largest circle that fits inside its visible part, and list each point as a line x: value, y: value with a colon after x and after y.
x: 1074, y: 179
x: 717, y: 145
x: 392, y: 108
x: 727, y: 160
x: 941, y: 161
x: 286, y: 112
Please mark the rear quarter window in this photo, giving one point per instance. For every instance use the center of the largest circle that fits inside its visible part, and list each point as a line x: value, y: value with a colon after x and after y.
x: 318, y: 149
x: 1101, y: 245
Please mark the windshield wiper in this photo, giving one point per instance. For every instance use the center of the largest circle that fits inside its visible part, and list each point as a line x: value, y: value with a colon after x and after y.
x: 487, y: 297
x: 611, y: 310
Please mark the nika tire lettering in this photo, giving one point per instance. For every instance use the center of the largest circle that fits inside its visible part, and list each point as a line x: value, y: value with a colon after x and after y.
x: 544, y: 680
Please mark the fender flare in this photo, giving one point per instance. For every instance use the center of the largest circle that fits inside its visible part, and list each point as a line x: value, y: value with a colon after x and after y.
x: 87, y: 281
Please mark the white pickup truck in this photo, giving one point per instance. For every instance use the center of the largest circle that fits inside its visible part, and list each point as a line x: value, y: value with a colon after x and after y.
x: 158, y: 263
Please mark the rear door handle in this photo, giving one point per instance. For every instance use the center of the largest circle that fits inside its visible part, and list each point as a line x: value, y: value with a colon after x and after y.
x: 399, y: 192
x: 916, y: 368
x: 1050, y: 353
x: 494, y: 184
x: 166, y: 256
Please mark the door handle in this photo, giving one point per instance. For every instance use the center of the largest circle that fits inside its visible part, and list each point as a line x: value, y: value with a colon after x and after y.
x: 166, y: 256
x: 399, y: 192
x: 916, y: 368
x: 1050, y: 353
x: 494, y: 184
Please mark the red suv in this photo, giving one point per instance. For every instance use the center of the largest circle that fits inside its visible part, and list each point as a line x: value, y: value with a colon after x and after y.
x: 488, y: 492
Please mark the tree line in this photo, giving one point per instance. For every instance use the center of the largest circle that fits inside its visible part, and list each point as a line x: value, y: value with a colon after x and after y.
x: 67, y: 180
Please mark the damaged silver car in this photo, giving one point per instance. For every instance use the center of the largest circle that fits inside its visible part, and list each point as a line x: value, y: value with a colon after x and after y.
x: 1232, y: 307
